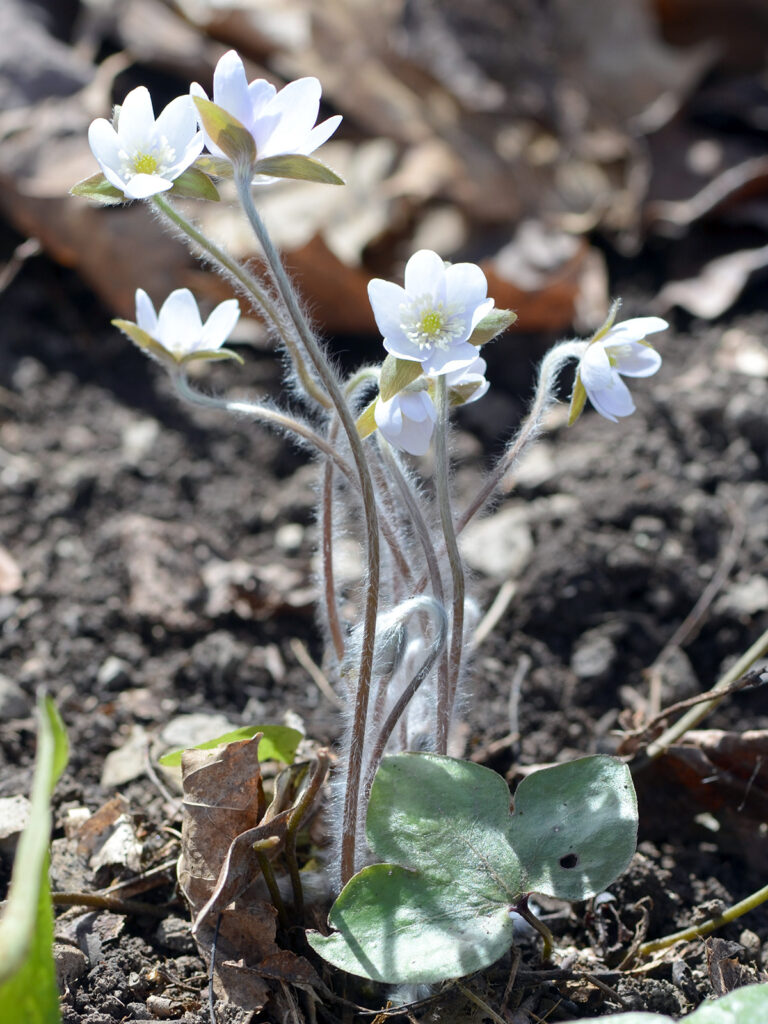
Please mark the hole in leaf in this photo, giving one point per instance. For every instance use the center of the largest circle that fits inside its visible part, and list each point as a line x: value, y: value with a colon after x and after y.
x: 570, y: 860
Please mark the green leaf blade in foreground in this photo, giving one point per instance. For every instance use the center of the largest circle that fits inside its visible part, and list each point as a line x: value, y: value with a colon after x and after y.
x: 28, y: 989
x: 278, y: 743
x: 575, y: 826
x: 443, y: 910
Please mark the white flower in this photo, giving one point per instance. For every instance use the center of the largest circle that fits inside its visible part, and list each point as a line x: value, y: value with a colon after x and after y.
x: 280, y: 122
x: 142, y: 156
x: 616, y: 351
x: 407, y: 421
x: 474, y: 374
x: 178, y: 329
x: 431, y: 319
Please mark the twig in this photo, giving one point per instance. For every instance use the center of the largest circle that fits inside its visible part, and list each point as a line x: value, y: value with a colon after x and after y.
x: 697, y: 931
x: 302, y: 655
x: 493, y: 616
x: 473, y: 997
x: 211, y: 996
x: 101, y: 902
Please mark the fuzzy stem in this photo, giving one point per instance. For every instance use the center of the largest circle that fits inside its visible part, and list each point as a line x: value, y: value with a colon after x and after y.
x: 437, y: 646
x: 447, y: 692
x: 248, y: 283
x: 329, y: 382
x: 544, y: 397
x: 697, y: 931
x: 326, y: 518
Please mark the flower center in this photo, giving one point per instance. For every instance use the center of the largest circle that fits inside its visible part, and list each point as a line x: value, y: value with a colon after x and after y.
x: 145, y: 163
x: 427, y: 323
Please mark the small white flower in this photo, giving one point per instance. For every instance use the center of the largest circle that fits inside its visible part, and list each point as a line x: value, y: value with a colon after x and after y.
x: 430, y: 320
x: 142, y: 156
x: 616, y: 351
x: 177, y: 330
x: 474, y: 374
x: 280, y: 122
x: 407, y: 421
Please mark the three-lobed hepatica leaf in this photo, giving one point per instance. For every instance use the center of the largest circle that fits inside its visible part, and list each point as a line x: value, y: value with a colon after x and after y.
x: 747, y: 1005
x: 458, y: 862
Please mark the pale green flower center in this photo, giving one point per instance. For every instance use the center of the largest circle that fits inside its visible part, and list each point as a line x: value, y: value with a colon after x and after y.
x: 431, y: 324
x: 156, y: 158
x: 145, y: 163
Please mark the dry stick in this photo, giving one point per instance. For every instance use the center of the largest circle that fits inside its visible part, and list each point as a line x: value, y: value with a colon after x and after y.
x: 473, y: 997
x: 301, y: 654
x: 447, y: 692
x: 719, y: 692
x: 250, y: 285
x: 700, y: 930
x: 690, y: 625
x: 329, y: 382
x: 103, y: 902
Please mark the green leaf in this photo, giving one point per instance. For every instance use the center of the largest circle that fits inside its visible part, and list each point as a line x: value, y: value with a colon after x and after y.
x: 194, y: 184
x: 232, y: 137
x: 441, y: 910
x: 366, y: 421
x: 492, y: 324
x: 397, y: 374
x: 458, y: 863
x: 212, y: 355
x: 278, y: 743
x: 28, y: 989
x: 216, y: 166
x: 575, y: 826
x: 98, y: 190
x: 295, y: 165
x: 144, y: 340
x: 747, y: 1005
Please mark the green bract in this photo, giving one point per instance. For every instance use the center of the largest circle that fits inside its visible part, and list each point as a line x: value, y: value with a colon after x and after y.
x: 458, y: 863
x: 28, y: 989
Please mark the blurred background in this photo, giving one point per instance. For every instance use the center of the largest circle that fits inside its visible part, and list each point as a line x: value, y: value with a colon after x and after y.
x: 573, y: 149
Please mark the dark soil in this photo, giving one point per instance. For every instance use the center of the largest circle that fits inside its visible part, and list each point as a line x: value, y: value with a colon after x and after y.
x: 121, y: 507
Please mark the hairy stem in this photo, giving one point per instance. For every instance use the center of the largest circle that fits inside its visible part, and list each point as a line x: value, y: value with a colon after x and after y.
x: 317, y: 358
x: 326, y: 519
x: 447, y: 692
x: 247, y: 283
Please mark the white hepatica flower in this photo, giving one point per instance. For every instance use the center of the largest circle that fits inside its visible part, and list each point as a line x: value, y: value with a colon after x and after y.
x: 470, y: 380
x: 430, y: 320
x: 178, y: 330
x: 620, y: 351
x: 142, y: 156
x: 407, y: 420
x: 280, y: 122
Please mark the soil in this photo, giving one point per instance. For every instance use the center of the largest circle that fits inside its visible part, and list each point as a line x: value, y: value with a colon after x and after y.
x: 125, y: 512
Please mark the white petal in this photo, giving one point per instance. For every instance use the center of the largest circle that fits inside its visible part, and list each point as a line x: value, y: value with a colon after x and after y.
x: 291, y: 115
x: 230, y: 87
x: 465, y: 285
x: 636, y: 329
x: 177, y: 123
x: 386, y: 298
x: 415, y: 438
x: 320, y: 134
x: 417, y: 406
x: 437, y: 361
x: 474, y: 371
x: 479, y: 391
x: 425, y: 274
x: 595, y: 367
x: 186, y: 157
x: 260, y: 93
x: 389, y: 417
x: 482, y: 310
x: 136, y: 120
x: 635, y: 359
x: 220, y: 324
x: 146, y: 317
x: 612, y: 401
x: 179, y: 323
x: 105, y: 143
x: 142, y: 186
x: 120, y: 181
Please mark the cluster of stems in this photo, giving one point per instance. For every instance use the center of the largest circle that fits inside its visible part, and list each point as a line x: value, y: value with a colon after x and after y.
x: 401, y: 666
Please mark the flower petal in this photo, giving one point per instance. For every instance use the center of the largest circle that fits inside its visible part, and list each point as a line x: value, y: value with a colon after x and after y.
x: 220, y: 324
x: 146, y: 317
x: 177, y: 124
x: 612, y: 401
x: 288, y: 118
x: 635, y: 359
x: 105, y: 143
x: 595, y: 367
x: 179, y: 324
x: 142, y: 186
x: 320, y: 134
x: 230, y: 87
x: 465, y: 285
x: 437, y: 361
x: 636, y: 329
x: 425, y: 275
x: 386, y: 298
x: 136, y: 120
